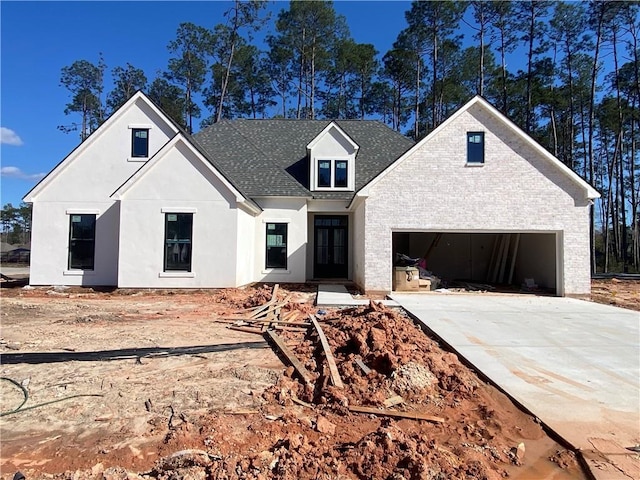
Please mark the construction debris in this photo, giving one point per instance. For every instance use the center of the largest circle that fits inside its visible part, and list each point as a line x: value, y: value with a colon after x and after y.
x: 335, y: 376
x: 406, y: 409
x: 398, y: 414
x: 291, y: 358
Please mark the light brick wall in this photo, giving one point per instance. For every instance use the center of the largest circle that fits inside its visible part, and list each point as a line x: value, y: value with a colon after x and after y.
x: 515, y: 190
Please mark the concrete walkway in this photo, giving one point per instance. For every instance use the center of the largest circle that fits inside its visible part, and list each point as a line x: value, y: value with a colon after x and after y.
x: 337, y: 295
x: 574, y: 364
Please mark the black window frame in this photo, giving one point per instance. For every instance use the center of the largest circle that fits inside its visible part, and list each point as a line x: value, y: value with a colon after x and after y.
x: 78, y: 243
x: 178, y: 250
x: 332, y: 171
x: 135, y: 145
x: 330, y: 184
x: 271, y: 252
x: 335, y: 173
x: 475, y: 150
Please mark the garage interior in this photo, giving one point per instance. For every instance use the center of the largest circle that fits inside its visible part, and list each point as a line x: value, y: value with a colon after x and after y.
x: 502, y: 261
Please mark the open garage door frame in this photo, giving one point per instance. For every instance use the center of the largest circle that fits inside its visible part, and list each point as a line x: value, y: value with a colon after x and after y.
x: 487, y: 256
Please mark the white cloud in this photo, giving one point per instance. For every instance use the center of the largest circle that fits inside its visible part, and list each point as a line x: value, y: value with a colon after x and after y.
x: 9, y: 137
x: 15, y: 172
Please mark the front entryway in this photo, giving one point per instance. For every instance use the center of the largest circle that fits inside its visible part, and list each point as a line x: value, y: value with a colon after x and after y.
x: 330, y: 246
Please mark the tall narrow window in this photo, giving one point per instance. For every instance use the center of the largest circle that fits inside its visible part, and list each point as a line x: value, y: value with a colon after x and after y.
x: 140, y: 143
x: 475, y: 147
x: 341, y: 173
x: 178, y: 232
x: 324, y: 173
x: 276, y: 255
x: 82, y: 240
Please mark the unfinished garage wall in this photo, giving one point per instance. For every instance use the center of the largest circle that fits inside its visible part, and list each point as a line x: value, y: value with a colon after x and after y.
x: 516, y: 189
x: 478, y: 257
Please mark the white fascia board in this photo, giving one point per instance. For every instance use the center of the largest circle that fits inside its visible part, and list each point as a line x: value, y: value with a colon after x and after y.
x: 357, y: 199
x: 326, y: 129
x: 250, y: 207
x: 591, y: 193
x: 75, y: 153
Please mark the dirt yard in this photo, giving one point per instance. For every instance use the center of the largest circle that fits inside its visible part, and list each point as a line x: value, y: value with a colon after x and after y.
x: 147, y: 383
x: 620, y: 293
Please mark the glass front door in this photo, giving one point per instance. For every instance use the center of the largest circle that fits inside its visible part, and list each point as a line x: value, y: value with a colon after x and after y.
x: 331, y: 246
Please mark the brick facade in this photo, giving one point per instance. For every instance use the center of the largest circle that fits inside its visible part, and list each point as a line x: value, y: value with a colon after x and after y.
x: 516, y: 190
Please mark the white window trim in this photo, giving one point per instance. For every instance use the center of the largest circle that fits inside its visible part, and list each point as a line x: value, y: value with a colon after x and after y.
x: 176, y: 274
x: 179, y: 273
x: 78, y: 273
x: 274, y: 271
x: 82, y: 211
x: 178, y: 210
x: 141, y: 126
x: 350, y: 173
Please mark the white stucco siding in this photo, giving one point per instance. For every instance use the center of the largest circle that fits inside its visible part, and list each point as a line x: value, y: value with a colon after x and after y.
x: 178, y: 183
x: 246, y: 255
x: 50, y: 244
x: 515, y: 189
x: 103, y: 163
x: 84, y: 182
x: 293, y: 212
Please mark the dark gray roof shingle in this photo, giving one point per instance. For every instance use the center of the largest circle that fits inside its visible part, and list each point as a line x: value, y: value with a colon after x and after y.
x: 269, y: 157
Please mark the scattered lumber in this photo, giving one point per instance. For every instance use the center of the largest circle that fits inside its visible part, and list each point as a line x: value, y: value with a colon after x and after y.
x: 259, y: 321
x: 331, y: 361
x: 257, y: 331
x: 394, y: 413
x: 293, y: 360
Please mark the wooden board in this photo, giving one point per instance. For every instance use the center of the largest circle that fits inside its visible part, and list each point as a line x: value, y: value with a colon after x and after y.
x: 293, y: 360
x: 331, y: 361
x: 366, y: 370
x: 393, y: 413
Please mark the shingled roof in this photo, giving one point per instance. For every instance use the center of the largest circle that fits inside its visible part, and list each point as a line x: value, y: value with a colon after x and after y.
x: 269, y: 157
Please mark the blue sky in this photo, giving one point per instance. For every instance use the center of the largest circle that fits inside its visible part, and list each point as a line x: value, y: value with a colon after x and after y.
x: 39, y: 38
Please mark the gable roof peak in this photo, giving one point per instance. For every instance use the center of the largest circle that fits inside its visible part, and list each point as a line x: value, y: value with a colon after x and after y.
x: 332, y: 125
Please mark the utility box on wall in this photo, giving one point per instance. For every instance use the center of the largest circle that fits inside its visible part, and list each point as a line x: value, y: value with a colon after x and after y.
x: 406, y: 279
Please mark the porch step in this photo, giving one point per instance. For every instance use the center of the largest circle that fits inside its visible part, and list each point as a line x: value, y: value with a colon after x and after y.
x: 335, y: 295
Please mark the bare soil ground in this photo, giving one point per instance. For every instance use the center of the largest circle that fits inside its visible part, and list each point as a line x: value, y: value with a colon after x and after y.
x: 181, y: 396
x: 620, y: 293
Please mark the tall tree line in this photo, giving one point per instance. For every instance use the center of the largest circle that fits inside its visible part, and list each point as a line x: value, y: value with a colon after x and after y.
x: 574, y: 86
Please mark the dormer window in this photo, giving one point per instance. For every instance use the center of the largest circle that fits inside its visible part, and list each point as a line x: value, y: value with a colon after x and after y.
x: 333, y: 173
x: 332, y: 157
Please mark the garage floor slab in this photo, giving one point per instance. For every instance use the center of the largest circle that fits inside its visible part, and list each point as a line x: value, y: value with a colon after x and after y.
x: 572, y: 363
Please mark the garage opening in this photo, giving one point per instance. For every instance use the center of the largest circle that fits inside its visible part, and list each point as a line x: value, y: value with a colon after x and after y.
x: 502, y: 261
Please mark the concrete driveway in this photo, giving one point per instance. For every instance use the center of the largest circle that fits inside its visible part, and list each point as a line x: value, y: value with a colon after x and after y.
x: 574, y: 364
